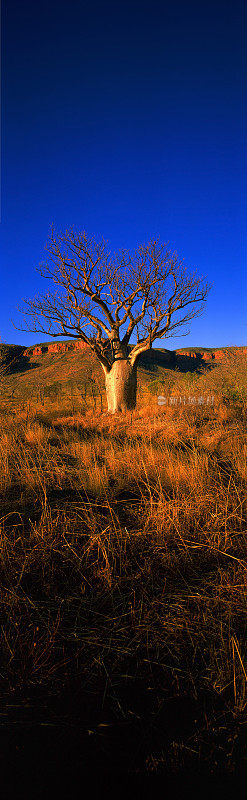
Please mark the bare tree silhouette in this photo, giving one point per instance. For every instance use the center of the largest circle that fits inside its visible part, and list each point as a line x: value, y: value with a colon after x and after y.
x: 105, y: 298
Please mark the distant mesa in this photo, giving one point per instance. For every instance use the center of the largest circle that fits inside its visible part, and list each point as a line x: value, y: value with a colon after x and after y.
x: 55, y: 347
x: 203, y: 355
x: 209, y: 356
x: 188, y: 356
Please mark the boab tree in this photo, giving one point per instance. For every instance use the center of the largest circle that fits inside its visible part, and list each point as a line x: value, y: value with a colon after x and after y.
x: 104, y: 299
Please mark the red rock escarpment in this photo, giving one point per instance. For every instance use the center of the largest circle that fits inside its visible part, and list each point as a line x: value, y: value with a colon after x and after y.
x: 207, y: 356
x: 219, y: 355
x: 55, y: 347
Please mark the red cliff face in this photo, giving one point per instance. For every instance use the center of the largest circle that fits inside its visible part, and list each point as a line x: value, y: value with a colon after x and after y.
x: 218, y: 356
x: 79, y: 345
x: 193, y: 356
x: 56, y: 347
x: 186, y: 354
x: 37, y: 351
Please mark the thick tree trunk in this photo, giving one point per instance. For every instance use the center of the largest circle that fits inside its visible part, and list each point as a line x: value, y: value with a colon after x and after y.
x: 121, y: 383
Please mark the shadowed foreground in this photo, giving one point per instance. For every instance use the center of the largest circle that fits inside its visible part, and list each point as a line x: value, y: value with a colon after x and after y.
x: 123, y: 586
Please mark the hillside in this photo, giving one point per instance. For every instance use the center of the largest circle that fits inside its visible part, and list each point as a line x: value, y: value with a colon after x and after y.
x: 68, y: 368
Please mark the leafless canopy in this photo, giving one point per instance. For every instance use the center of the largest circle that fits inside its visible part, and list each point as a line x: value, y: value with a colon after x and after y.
x: 103, y: 298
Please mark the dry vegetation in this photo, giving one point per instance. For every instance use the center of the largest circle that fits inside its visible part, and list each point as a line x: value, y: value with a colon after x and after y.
x: 124, y: 572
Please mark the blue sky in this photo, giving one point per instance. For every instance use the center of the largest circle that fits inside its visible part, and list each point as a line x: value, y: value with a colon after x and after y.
x: 127, y: 118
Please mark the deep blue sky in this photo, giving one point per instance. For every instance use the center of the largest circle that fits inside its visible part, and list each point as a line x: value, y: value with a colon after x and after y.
x: 127, y: 118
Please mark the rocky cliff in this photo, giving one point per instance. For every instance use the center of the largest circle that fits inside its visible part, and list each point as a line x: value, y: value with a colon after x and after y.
x: 55, y: 347
x: 188, y: 356
x: 209, y: 356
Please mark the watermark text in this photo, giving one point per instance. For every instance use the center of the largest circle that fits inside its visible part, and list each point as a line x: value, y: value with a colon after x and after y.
x: 191, y: 400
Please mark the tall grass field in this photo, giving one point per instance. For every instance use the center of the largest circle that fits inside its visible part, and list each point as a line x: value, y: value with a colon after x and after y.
x: 124, y: 571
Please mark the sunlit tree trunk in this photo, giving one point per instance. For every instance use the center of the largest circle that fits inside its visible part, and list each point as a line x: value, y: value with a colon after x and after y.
x: 121, y: 384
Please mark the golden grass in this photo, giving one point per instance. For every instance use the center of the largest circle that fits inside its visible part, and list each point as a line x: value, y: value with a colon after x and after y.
x: 123, y: 549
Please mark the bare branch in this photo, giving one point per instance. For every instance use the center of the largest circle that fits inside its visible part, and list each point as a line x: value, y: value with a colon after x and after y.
x: 102, y: 294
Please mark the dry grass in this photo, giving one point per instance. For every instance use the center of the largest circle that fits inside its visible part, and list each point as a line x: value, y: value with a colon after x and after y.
x: 123, y: 562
